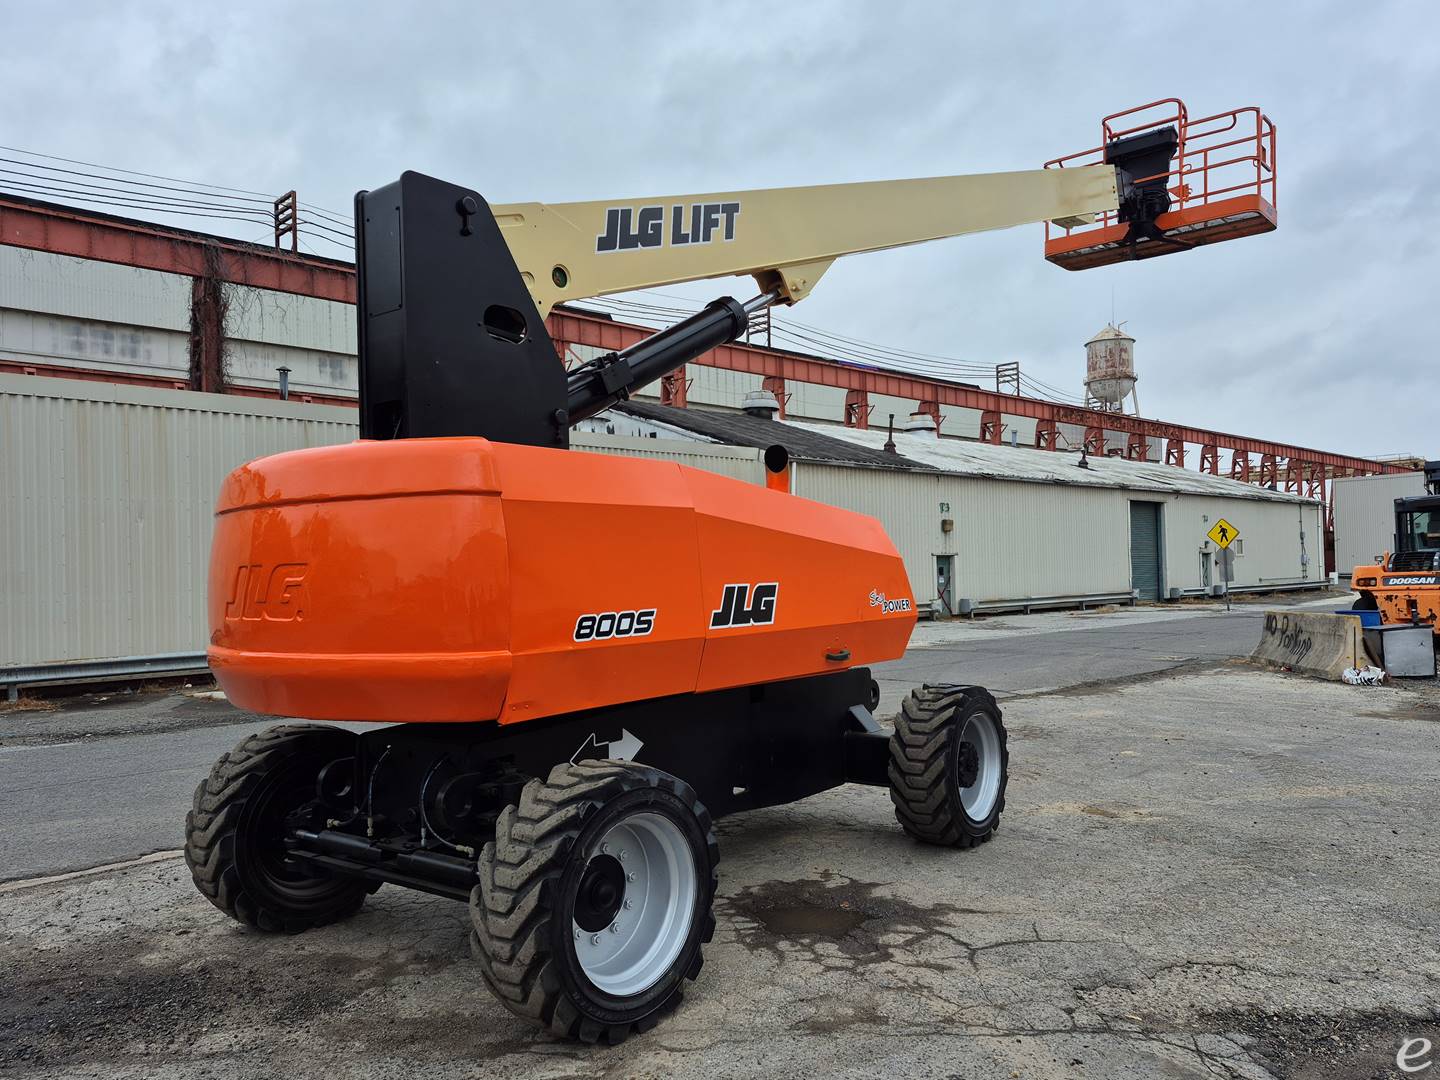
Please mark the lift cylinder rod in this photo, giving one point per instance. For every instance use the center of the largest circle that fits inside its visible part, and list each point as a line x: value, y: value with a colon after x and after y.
x: 602, y: 382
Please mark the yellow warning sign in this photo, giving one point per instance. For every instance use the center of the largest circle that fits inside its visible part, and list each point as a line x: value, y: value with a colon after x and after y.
x: 1223, y: 533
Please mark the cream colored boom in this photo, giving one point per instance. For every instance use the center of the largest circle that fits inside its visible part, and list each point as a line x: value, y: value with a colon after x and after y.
x: 785, y: 237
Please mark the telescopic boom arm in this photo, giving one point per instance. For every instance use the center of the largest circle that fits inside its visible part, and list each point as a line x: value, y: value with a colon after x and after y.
x: 785, y: 237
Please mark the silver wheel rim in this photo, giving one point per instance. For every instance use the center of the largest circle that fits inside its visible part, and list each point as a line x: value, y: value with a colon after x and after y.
x: 650, y: 930
x: 979, y: 798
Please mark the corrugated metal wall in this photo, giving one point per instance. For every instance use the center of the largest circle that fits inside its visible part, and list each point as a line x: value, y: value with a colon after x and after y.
x: 1014, y: 540
x: 1365, y: 515
x: 106, y: 493
x: 1018, y: 541
x: 1274, y: 550
x: 738, y: 462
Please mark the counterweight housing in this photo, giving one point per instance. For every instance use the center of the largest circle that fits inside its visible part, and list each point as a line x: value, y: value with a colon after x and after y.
x: 463, y: 580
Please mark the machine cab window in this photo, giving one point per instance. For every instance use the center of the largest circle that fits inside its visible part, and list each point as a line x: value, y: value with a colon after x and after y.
x: 1419, y: 530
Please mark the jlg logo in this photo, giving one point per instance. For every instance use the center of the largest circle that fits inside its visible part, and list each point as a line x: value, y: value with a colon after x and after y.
x: 272, y: 594
x: 733, y: 610
x: 628, y: 228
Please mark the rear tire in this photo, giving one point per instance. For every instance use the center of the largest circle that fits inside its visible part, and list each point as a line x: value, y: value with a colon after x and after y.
x: 1366, y: 602
x: 593, y: 847
x: 949, y: 765
x: 234, y: 834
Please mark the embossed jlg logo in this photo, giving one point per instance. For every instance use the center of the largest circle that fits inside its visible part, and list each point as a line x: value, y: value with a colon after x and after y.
x: 269, y: 593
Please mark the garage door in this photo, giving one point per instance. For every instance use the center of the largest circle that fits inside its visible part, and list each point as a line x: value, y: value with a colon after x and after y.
x: 1145, y: 549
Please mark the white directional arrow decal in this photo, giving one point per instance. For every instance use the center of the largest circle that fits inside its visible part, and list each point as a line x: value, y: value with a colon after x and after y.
x: 625, y: 748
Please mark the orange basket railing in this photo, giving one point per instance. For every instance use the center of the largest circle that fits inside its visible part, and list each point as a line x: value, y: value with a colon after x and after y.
x: 1222, y: 156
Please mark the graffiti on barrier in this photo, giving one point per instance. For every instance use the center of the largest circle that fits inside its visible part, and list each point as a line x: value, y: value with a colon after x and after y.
x: 1295, y: 641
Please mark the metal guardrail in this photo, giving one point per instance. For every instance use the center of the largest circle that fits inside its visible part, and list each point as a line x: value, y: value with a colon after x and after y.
x: 15, y: 679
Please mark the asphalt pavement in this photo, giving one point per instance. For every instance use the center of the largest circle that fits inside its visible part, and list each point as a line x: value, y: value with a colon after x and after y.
x: 107, y: 778
x: 1216, y: 871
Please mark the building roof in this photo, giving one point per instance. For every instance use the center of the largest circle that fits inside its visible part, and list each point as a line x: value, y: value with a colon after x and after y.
x: 805, y: 442
x: 960, y: 457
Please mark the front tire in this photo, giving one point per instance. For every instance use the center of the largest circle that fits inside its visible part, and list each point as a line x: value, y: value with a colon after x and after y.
x: 234, y: 833
x: 949, y: 765
x: 595, y: 899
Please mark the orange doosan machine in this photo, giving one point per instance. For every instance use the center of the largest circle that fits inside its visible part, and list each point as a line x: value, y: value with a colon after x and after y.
x: 580, y: 661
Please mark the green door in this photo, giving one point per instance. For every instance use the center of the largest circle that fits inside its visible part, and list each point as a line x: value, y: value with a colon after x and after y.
x: 1145, y: 549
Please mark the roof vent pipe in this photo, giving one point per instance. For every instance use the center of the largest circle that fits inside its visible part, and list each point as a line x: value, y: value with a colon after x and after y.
x: 761, y: 404
x: 921, y: 423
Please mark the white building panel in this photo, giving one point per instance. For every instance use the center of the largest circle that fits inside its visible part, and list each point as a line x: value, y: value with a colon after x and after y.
x: 958, y: 422
x: 280, y: 318
x: 1010, y: 541
x: 106, y: 494
x: 1365, y: 515
x: 882, y: 405
x: 62, y: 341
x: 736, y: 462
x: 718, y: 386
x: 254, y: 364
x: 811, y: 401
x: 49, y: 284
x: 1281, y: 543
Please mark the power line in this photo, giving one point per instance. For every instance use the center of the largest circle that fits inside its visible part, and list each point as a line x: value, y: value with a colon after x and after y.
x: 109, y: 201
x: 102, y: 191
x: 197, y: 190
x: 102, y: 186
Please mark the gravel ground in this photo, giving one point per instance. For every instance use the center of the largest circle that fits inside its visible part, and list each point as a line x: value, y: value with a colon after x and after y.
x: 1216, y: 873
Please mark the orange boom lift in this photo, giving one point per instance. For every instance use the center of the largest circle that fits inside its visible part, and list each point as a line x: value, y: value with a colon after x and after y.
x: 582, y: 660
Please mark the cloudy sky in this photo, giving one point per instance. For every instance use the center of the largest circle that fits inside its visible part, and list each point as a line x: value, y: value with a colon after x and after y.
x: 1320, y: 334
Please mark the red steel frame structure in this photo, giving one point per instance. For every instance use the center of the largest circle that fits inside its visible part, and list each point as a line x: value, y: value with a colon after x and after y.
x: 90, y: 235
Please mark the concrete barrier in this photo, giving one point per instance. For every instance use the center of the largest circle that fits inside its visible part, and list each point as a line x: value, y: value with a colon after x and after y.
x: 1311, y: 643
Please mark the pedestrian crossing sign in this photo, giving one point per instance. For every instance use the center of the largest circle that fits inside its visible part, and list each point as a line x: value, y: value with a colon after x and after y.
x: 1223, y: 533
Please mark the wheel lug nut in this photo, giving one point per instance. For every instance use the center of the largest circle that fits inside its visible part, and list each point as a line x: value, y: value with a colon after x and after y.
x: 614, y: 927
x: 577, y: 933
x: 595, y: 940
x: 629, y: 904
x: 622, y: 853
x: 630, y: 876
x: 605, y: 849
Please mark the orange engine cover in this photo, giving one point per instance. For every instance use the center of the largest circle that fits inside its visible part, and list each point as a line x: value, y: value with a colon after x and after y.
x: 460, y: 580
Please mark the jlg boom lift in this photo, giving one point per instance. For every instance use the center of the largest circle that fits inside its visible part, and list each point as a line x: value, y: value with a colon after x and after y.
x: 587, y: 659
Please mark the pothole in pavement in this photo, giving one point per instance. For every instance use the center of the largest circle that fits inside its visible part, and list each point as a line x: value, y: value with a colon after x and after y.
x: 804, y: 920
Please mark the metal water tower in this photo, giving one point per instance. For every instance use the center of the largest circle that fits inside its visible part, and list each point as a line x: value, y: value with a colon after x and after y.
x: 1110, y: 371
